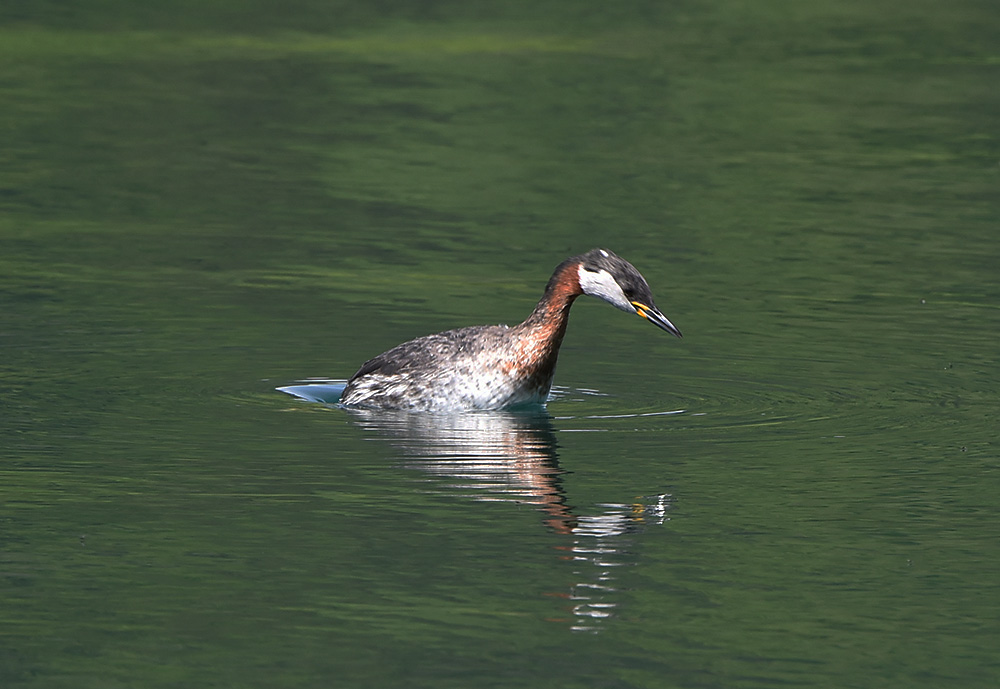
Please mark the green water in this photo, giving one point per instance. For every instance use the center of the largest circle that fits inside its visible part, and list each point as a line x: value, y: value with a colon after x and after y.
x: 201, y: 202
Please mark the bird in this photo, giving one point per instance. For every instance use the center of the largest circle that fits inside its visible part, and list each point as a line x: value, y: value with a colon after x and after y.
x: 497, y: 367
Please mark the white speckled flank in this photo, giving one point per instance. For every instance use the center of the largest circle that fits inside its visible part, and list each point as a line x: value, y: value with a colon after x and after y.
x: 494, y: 366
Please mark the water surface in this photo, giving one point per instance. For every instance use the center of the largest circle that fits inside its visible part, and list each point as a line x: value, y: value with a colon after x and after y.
x: 201, y: 204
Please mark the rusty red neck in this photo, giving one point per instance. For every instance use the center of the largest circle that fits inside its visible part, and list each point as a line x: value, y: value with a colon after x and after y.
x: 551, y: 314
x: 541, y: 334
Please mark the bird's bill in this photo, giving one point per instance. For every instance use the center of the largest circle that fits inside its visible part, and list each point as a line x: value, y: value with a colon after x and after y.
x: 653, y: 315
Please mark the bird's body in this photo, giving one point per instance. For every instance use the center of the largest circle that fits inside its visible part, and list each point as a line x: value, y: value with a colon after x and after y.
x: 495, y: 366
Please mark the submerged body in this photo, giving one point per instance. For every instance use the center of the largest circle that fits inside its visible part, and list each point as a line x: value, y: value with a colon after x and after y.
x: 495, y: 366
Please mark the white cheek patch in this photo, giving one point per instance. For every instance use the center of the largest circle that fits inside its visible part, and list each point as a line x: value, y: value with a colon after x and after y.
x: 603, y: 286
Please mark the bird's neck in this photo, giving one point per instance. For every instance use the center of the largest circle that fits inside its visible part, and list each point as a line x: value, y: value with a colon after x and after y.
x: 542, y: 332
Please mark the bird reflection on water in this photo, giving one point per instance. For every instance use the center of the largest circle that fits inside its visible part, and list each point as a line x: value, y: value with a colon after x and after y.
x: 511, y: 456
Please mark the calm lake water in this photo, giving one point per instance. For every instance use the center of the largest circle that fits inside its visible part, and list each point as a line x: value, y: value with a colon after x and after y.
x: 201, y: 203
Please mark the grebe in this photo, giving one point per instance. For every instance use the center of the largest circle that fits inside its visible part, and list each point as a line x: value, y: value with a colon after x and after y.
x: 487, y: 367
